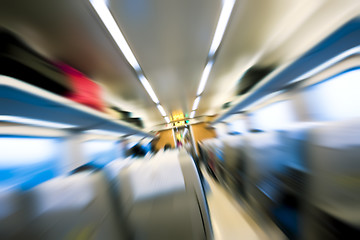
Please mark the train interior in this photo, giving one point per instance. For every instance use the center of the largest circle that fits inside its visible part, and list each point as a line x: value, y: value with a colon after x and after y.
x: 165, y: 119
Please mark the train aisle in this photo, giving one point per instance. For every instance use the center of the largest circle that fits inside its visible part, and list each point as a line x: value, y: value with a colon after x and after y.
x: 229, y: 219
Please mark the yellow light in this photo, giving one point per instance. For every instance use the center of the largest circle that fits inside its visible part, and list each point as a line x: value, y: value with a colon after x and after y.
x: 179, y: 116
x: 179, y: 123
x: 178, y: 119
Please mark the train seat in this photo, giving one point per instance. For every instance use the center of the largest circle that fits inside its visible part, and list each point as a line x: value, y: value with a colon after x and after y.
x: 234, y: 162
x: 213, y: 149
x: 263, y: 160
x: 157, y: 200
x: 334, y: 183
x: 14, y: 213
x: 78, y: 206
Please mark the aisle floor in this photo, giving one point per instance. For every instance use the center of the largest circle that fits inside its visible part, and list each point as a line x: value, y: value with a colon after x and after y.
x: 230, y: 221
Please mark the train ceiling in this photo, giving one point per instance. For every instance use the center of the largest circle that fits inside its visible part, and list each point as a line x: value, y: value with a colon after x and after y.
x: 171, y: 40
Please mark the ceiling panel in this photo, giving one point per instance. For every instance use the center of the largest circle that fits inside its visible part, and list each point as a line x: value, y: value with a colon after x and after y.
x: 70, y: 31
x: 269, y: 33
x: 171, y: 40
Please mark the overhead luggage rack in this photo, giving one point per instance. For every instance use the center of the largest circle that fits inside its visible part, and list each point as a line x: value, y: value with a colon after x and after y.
x: 20, y: 99
x: 339, y: 46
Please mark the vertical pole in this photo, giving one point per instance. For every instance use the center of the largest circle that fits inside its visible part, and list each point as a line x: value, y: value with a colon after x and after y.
x: 173, y: 132
x: 193, y: 141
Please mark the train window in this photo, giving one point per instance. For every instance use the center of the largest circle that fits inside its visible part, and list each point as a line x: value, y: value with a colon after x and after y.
x: 274, y: 116
x: 237, y: 127
x: 336, y: 98
x: 26, y: 162
x: 100, y: 152
x: 221, y: 129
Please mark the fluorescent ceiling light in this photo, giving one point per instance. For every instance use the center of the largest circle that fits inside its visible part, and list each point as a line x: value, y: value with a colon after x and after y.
x: 221, y: 26
x: 204, y: 78
x: 106, y: 17
x: 161, y: 110
x: 148, y: 88
x: 192, y: 114
x: 167, y: 119
x: 329, y: 63
x: 35, y: 122
x: 196, y: 103
x: 114, y: 30
x: 219, y: 33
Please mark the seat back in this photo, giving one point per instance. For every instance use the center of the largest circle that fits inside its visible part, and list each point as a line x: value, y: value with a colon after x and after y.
x: 263, y: 155
x: 233, y: 152
x: 159, y: 200
x: 72, y: 207
x: 14, y: 214
x: 334, y: 164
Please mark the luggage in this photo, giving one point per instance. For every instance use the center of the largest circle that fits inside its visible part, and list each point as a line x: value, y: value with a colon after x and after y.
x: 136, y: 121
x: 83, y: 90
x: 19, y: 61
x: 123, y: 114
x: 252, y: 77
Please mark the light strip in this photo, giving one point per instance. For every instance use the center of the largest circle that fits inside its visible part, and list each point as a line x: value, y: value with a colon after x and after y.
x: 329, y: 63
x: 221, y: 26
x: 196, y: 103
x: 204, y: 78
x: 35, y: 122
x: 167, y: 119
x: 161, y: 110
x: 115, y: 32
x: 192, y: 114
x: 110, y: 23
x: 218, y: 36
x: 148, y: 88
